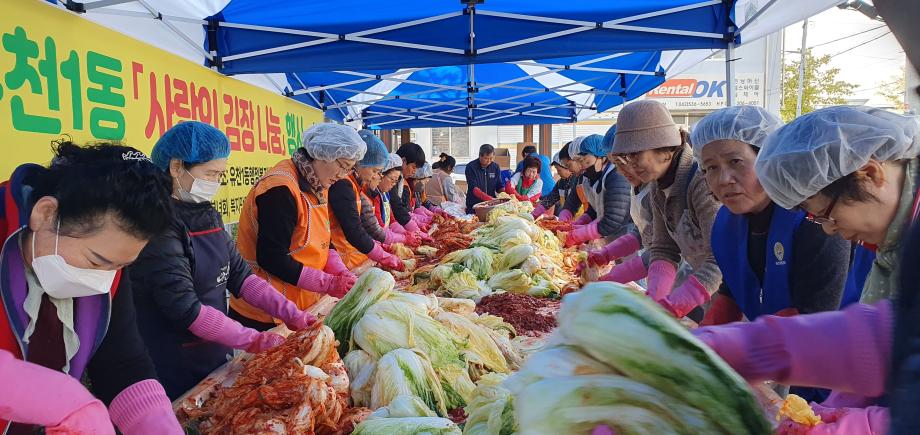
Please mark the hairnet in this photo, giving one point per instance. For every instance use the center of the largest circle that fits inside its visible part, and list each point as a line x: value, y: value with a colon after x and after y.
x: 557, y: 160
x: 328, y: 142
x: 813, y: 151
x: 393, y: 161
x: 423, y: 172
x: 609, y: 136
x: 748, y: 124
x: 377, y: 154
x: 191, y: 142
x: 592, y: 144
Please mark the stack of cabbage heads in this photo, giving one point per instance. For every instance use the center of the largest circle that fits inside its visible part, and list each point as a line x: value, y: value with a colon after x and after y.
x: 491, y: 410
x: 620, y: 360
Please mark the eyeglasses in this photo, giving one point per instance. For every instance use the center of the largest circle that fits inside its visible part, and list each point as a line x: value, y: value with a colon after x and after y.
x: 344, y: 168
x: 825, y: 217
x: 629, y: 159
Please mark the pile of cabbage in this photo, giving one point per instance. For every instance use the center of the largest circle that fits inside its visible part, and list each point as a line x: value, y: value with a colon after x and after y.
x: 411, y: 351
x: 617, y: 359
x: 510, y: 253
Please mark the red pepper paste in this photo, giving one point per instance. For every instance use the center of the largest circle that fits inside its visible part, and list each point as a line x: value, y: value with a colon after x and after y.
x: 529, y: 315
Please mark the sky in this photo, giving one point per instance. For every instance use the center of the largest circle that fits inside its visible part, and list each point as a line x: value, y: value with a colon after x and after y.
x: 868, y: 65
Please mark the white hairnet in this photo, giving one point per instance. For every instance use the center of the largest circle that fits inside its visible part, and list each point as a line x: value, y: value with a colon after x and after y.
x: 393, y: 161
x: 328, y: 142
x: 748, y: 124
x: 813, y: 151
x: 575, y: 146
x: 557, y: 160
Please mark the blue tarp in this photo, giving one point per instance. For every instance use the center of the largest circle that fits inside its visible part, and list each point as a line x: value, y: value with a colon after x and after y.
x: 360, y: 34
x: 503, y: 93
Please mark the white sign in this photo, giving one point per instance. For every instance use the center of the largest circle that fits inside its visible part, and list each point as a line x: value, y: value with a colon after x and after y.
x: 708, y: 92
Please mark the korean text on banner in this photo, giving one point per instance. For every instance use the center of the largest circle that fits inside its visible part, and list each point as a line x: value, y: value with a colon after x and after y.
x: 63, y: 75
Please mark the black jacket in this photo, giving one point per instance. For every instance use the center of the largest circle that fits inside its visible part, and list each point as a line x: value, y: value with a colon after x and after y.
x: 343, y: 205
x: 171, y: 281
x: 400, y: 203
x: 616, y: 220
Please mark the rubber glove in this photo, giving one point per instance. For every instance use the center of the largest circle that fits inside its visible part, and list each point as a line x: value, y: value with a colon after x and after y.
x: 538, y: 211
x: 661, y: 277
x: 390, y: 237
x: 33, y: 394
x: 584, y: 219
x: 581, y: 235
x: 213, y: 325
x: 685, y: 298
x: 565, y: 216
x: 424, y: 236
x: 260, y: 294
x: 420, y: 217
x: 397, y: 228
x: 873, y: 420
x: 321, y: 282
x: 334, y: 264
x: 412, y: 226
x: 438, y: 210
x: 387, y: 260
x: 619, y: 248
x: 846, y: 350
x: 522, y: 198
x: 144, y: 408
x: 482, y: 196
x: 723, y: 310
x: 629, y: 271
x: 603, y: 430
x: 509, y: 189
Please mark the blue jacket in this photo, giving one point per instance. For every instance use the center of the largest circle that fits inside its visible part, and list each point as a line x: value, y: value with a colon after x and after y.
x: 546, y: 173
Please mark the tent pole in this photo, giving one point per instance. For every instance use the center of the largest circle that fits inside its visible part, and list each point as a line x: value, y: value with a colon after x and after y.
x: 730, y: 75
x: 802, y: 52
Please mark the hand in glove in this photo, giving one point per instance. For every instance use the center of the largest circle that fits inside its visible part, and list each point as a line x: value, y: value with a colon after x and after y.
x: 260, y: 294
x: 628, y: 271
x: 661, y: 277
x: 841, y: 421
x: 214, y: 325
x: 538, y: 211
x: 321, y: 282
x: 565, y: 216
x: 685, y: 298
x: 264, y: 341
x: 614, y: 250
x: 581, y: 235
x: 387, y: 260
x: 482, y: 196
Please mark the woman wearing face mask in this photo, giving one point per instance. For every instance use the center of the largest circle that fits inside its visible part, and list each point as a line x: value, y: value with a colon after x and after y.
x: 772, y: 260
x: 526, y: 185
x: 349, y: 237
x: 638, y: 237
x: 683, y: 208
x: 284, y: 229
x: 560, y: 191
x: 66, y: 305
x: 402, y: 197
x: 182, y: 277
x: 607, y: 193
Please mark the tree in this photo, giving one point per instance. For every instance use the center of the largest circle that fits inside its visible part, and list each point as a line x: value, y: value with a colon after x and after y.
x: 821, y: 85
x: 893, y: 91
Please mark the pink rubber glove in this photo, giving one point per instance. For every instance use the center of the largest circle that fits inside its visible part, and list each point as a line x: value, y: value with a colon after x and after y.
x: 845, y: 350
x: 260, y: 294
x: 619, y: 248
x: 581, y: 235
x: 661, y: 277
x: 685, y: 298
x: 538, y: 211
x: 334, y: 265
x: 324, y: 283
x: 873, y: 420
x: 603, y: 430
x: 33, y: 394
x: 213, y: 325
x: 412, y: 226
x: 421, y: 218
x: 436, y: 210
x: 629, y: 271
x: 392, y: 237
x: 397, y: 228
x: 387, y: 260
x: 424, y: 236
x: 584, y: 219
x: 565, y: 216
x: 144, y: 408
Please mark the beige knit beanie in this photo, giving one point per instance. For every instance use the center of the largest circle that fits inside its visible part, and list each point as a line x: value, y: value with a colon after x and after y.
x: 645, y: 125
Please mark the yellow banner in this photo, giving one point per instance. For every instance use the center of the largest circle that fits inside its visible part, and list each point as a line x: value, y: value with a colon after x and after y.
x: 65, y: 75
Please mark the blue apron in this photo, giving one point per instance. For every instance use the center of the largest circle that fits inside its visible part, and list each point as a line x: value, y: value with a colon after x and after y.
x: 730, y: 248
x: 182, y: 359
x: 856, y: 278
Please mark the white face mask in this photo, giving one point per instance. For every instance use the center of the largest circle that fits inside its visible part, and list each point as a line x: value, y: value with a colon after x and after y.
x: 202, y: 190
x: 61, y: 280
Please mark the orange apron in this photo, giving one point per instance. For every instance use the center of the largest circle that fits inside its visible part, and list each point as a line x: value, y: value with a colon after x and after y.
x: 580, y: 190
x: 309, y: 242
x: 351, y: 256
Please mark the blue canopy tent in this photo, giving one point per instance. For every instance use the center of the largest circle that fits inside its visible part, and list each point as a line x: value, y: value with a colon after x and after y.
x: 526, y: 92
x: 419, y: 63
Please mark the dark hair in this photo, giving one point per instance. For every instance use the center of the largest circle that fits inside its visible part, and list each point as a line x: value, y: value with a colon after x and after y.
x: 448, y: 163
x: 531, y: 162
x: 443, y: 156
x: 486, y: 149
x: 413, y: 153
x: 92, y: 181
x: 849, y: 188
x: 564, y: 152
x: 528, y: 150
